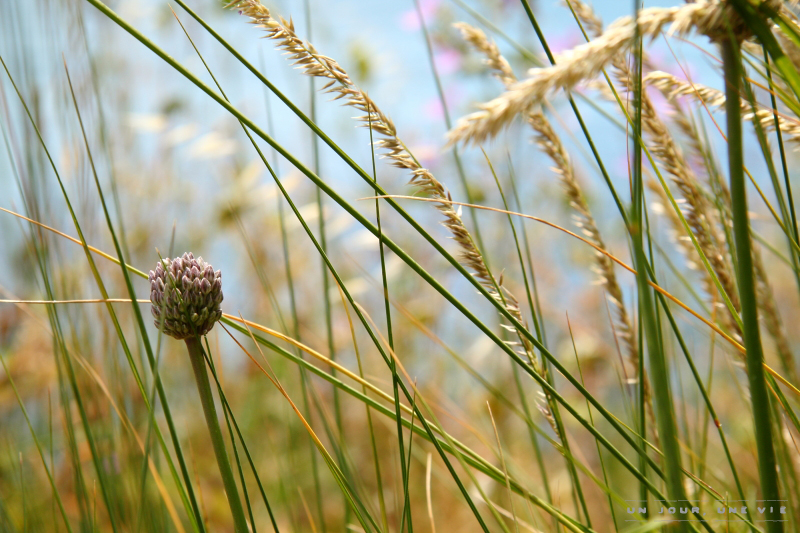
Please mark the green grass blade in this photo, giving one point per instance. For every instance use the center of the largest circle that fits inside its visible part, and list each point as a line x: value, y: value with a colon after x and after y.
x: 47, y: 470
x: 415, y: 266
x: 660, y: 375
x: 746, y: 281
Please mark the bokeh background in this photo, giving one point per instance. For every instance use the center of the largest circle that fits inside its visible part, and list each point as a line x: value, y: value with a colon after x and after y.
x: 181, y: 176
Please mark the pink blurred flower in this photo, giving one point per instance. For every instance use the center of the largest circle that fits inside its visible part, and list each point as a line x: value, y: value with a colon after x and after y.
x: 660, y: 103
x: 432, y: 109
x: 409, y: 20
x: 564, y: 41
x: 447, y: 61
x: 427, y: 154
x: 665, y: 60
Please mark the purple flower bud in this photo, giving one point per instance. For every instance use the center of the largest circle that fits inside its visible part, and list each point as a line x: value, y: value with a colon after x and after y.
x: 189, y: 292
x: 205, y: 286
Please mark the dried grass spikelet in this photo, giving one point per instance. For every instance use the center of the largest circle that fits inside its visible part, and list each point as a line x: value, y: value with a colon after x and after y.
x: 771, y: 316
x: 699, y: 212
x: 339, y: 83
x: 592, y: 23
x: 502, y: 70
x: 764, y: 295
x: 551, y: 144
x: 673, y: 87
x: 494, y: 59
x: 687, y: 126
x: 584, y: 62
x: 677, y: 232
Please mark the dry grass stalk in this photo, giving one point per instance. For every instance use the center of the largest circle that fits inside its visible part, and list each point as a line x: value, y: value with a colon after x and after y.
x: 494, y: 59
x: 708, y: 17
x: 699, y: 212
x: 771, y: 316
x: 339, y: 83
x: 674, y: 87
x: 551, y: 145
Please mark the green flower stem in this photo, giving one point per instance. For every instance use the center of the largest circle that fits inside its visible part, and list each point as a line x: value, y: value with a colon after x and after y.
x: 650, y: 330
x: 204, y: 388
x: 747, y: 289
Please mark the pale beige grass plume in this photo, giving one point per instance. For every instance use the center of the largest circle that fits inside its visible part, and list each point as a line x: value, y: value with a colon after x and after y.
x: 584, y: 62
x: 551, y: 144
x: 698, y: 211
x: 674, y: 87
x: 339, y: 83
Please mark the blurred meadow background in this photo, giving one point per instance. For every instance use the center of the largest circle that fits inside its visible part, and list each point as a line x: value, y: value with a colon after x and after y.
x: 107, y: 143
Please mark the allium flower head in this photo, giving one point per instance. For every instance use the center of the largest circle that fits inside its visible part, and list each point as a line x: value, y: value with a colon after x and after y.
x: 189, y: 293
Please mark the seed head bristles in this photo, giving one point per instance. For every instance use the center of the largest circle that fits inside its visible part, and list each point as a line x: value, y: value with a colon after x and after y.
x: 592, y: 23
x: 699, y: 212
x: 709, y: 17
x: 688, y: 128
x: 764, y: 294
x: 494, y: 59
x: 772, y: 319
x: 542, y: 401
x: 677, y: 232
x: 674, y: 87
x: 693, y: 260
x: 551, y: 145
x: 304, y: 54
x: 339, y: 83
